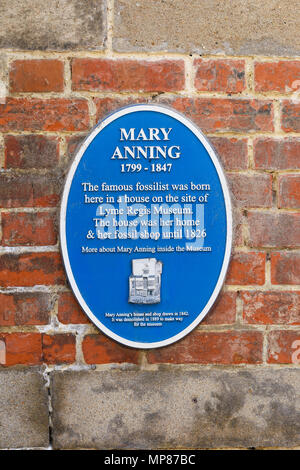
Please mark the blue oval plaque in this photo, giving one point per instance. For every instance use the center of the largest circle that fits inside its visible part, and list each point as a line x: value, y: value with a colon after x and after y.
x: 146, y: 226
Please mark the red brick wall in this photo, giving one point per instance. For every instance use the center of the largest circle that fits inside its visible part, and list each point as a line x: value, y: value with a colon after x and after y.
x: 249, y: 107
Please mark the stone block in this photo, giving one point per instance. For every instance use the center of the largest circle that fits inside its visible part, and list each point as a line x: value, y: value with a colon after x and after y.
x: 23, y: 409
x: 172, y: 408
x: 59, y: 25
x: 235, y: 27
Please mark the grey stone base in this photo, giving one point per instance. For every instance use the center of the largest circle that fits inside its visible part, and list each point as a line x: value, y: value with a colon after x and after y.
x: 131, y: 409
x: 23, y: 409
x: 168, y: 408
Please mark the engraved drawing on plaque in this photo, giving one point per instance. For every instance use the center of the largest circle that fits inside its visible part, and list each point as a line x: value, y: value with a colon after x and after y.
x: 145, y: 281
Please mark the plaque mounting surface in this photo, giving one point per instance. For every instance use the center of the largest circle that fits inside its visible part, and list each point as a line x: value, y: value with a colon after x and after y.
x: 146, y: 226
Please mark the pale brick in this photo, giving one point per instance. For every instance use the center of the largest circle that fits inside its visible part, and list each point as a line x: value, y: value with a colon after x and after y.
x: 131, y: 409
x: 59, y: 25
x: 235, y: 27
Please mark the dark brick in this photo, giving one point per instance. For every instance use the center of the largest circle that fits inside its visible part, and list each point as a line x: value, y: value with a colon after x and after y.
x: 31, y: 151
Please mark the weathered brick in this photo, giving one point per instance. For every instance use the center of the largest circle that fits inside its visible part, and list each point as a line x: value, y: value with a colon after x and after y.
x: 46, y: 189
x: 107, y: 105
x: 284, y: 347
x: 246, y: 268
x: 127, y: 75
x: 269, y: 229
x: 15, y: 190
x: 276, y: 154
x: 55, y: 114
x: 290, y: 120
x: 30, y: 269
x: 69, y: 310
x: 212, y: 115
x: 72, y: 144
x: 25, y: 308
x: 98, y: 349
x: 59, y: 349
x: 289, y: 191
x: 22, y: 348
x: 225, y: 114
x: 223, y: 75
x: 36, y: 76
x: 223, y: 311
x: 251, y: 190
x: 31, y: 151
x: 26, y: 228
x: 271, y: 307
x: 197, y: 26
x: 233, y: 152
x: 30, y: 190
x: 230, y: 347
x: 238, y: 227
x: 278, y: 76
x: 63, y: 25
x: 285, y: 268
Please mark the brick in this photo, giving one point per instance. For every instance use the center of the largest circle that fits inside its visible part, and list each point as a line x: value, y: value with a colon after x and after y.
x: 22, y: 348
x: 72, y: 144
x: 105, y: 106
x: 30, y: 190
x: 285, y: 268
x: 30, y: 269
x: 269, y: 229
x: 212, y: 115
x: 127, y: 75
x: 271, y: 308
x: 246, y: 268
x: 55, y: 114
x: 238, y: 227
x: 290, y: 120
x: 225, y: 114
x: 98, y: 349
x: 284, y: 347
x: 65, y: 25
x: 221, y: 75
x: 233, y: 152
x: 26, y: 228
x: 230, y: 347
x: 36, y: 76
x: 251, y: 190
x: 69, y: 310
x: 289, y: 191
x: 25, y: 309
x: 223, y: 311
x: 278, y: 76
x: 276, y: 154
x: 176, y: 408
x: 59, y: 349
x: 15, y: 190
x: 31, y: 151
x: 46, y: 189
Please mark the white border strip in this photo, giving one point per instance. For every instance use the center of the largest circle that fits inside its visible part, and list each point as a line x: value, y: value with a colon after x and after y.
x: 98, y: 128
